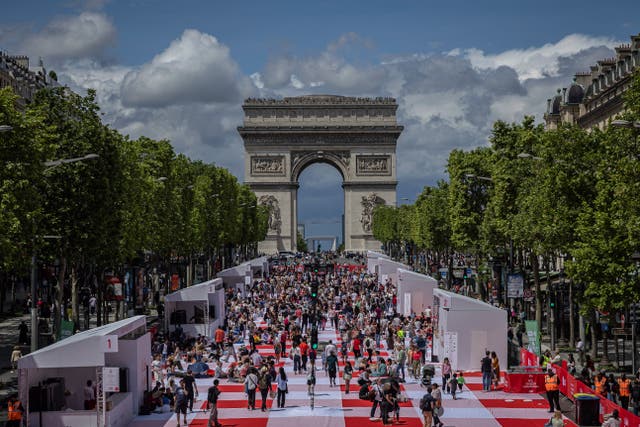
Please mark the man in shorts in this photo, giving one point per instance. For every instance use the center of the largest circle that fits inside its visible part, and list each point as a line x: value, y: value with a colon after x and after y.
x: 181, y: 403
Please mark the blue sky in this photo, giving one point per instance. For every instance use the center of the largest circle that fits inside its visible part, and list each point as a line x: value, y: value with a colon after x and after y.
x: 180, y: 69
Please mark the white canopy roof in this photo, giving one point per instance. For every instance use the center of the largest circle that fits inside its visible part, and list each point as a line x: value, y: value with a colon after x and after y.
x: 199, y: 292
x: 376, y: 255
x: 84, y: 349
x: 237, y: 271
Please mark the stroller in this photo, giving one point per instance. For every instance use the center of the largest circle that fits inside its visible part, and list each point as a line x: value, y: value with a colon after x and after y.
x: 427, y: 373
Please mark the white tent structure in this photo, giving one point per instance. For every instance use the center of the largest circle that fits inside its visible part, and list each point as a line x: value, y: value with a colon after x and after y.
x: 115, y: 357
x: 415, y: 292
x: 388, y: 269
x: 240, y: 275
x: 373, y: 261
x: 236, y: 277
x: 464, y: 328
x: 198, y: 309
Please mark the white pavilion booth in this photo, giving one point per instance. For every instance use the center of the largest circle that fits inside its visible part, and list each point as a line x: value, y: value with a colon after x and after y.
x: 373, y: 259
x: 464, y: 328
x: 236, y: 278
x: 115, y: 357
x: 388, y: 269
x: 198, y: 309
x: 415, y: 292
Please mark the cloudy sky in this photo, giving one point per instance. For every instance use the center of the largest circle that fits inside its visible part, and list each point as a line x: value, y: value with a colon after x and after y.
x: 180, y: 69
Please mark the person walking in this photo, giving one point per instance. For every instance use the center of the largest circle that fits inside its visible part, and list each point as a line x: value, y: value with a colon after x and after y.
x: 250, y: 385
x: 485, y: 368
x: 282, y: 385
x: 347, y: 375
x: 16, y: 354
x: 264, y: 384
x: 332, y: 368
x: 181, y: 403
x: 436, y: 393
x: 212, y: 404
x: 446, y: 374
x: 191, y: 391
x: 551, y: 384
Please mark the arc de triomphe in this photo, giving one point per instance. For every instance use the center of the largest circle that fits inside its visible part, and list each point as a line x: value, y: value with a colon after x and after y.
x: 357, y: 136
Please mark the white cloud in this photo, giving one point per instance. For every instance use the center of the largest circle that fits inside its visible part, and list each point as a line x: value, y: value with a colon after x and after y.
x: 536, y: 62
x: 83, y: 36
x: 196, y: 68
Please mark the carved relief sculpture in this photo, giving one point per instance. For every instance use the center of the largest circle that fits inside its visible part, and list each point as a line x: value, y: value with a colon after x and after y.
x: 373, y: 165
x: 369, y: 203
x: 267, y: 165
x: 273, y: 206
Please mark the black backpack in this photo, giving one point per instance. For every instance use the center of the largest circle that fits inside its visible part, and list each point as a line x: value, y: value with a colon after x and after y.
x: 364, y: 393
x: 426, y: 403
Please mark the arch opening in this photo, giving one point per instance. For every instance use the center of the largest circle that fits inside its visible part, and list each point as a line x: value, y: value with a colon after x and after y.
x: 320, y: 215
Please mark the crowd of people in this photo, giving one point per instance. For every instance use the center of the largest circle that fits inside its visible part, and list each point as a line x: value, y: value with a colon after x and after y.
x: 375, y: 346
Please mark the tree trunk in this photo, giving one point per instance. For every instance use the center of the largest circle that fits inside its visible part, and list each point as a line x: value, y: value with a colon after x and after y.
x: 536, y: 283
x: 57, y: 315
x: 75, y: 316
x: 572, y: 326
x: 594, y: 338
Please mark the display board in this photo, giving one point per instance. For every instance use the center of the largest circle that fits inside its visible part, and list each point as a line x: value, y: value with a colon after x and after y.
x: 110, y: 379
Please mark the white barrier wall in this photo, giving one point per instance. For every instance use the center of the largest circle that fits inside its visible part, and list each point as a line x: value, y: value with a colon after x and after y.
x: 373, y: 261
x: 464, y: 328
x: 415, y: 292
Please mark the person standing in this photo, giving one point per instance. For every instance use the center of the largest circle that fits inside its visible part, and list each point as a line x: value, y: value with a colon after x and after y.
x: 485, y: 368
x: 551, y: 384
x: 212, y: 404
x: 377, y: 400
x: 347, y: 375
x: 495, y: 369
x: 219, y: 338
x: 304, y: 354
x: 283, y: 387
x: 14, y: 413
x: 23, y: 336
x: 89, y: 396
x: 250, y: 384
x: 624, y: 388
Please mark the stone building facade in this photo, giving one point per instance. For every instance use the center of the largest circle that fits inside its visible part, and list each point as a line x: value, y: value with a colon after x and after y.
x: 16, y: 73
x: 595, y: 97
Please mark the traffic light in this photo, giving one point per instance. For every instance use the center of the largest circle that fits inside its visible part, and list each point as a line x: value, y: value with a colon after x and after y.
x: 314, y: 289
x: 314, y: 337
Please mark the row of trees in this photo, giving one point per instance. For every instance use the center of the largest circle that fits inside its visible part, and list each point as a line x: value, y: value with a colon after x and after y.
x: 540, y: 196
x: 137, y: 199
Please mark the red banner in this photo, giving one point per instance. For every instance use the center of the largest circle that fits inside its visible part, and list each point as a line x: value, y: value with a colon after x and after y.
x: 528, y: 358
x: 524, y: 382
x: 569, y: 386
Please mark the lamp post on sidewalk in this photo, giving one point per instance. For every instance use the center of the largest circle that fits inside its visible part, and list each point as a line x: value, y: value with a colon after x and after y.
x: 34, y: 310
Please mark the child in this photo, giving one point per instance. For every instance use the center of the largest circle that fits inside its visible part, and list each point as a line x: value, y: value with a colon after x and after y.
x: 453, y: 385
x: 460, y: 381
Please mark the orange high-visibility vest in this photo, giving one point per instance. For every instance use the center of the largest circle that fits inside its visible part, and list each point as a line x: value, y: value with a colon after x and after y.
x: 14, y: 413
x: 600, y: 385
x: 625, y: 390
x: 551, y: 383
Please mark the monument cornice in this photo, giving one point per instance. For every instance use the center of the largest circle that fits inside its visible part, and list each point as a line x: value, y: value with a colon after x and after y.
x: 280, y: 129
x: 319, y: 100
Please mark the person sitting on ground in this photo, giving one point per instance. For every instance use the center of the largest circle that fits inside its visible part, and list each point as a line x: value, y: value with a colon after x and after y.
x: 613, y: 421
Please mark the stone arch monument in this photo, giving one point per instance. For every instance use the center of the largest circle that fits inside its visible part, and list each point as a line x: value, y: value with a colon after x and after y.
x: 357, y: 136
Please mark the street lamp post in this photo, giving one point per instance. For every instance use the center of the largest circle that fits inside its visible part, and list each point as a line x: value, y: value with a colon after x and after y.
x: 34, y: 310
